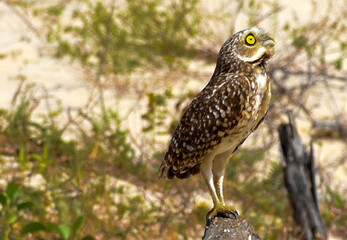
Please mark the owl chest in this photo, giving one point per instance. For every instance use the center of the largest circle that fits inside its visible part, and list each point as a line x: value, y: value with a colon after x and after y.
x: 257, y: 102
x: 262, y: 96
x: 255, y: 109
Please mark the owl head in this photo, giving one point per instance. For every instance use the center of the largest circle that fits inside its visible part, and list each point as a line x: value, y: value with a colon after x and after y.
x: 245, y: 49
x: 254, y: 45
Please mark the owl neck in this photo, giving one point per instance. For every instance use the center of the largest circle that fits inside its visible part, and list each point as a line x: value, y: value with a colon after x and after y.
x: 223, y: 68
x: 259, y: 68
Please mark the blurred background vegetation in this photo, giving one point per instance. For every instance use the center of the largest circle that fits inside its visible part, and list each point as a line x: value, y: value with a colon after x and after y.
x: 90, y: 172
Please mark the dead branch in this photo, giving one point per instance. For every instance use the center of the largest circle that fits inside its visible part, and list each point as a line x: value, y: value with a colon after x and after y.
x: 299, y: 179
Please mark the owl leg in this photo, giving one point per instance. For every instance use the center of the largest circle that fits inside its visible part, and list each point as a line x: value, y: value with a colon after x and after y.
x: 219, y: 208
x: 218, y: 169
x: 218, y: 183
x: 206, y: 172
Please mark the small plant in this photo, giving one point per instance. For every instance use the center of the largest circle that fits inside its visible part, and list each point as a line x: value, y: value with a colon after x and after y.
x: 63, y: 231
x: 13, y: 208
x: 123, y: 39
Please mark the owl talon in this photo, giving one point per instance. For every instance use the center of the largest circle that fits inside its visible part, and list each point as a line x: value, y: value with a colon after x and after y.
x: 220, y: 211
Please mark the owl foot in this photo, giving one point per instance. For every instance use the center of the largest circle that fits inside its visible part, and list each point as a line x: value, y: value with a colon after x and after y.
x: 220, y: 211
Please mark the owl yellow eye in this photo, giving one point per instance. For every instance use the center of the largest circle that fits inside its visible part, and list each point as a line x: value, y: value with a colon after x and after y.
x: 250, y: 40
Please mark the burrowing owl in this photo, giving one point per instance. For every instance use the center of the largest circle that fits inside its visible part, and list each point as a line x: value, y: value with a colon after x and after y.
x: 223, y: 114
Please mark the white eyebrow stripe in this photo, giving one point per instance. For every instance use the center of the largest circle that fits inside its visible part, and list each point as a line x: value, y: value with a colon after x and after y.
x: 258, y: 55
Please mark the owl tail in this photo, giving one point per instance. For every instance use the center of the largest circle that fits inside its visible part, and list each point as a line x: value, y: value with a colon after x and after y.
x: 163, y: 170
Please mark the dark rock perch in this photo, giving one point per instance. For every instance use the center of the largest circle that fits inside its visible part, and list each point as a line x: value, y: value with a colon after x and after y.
x: 229, y: 228
x: 299, y: 179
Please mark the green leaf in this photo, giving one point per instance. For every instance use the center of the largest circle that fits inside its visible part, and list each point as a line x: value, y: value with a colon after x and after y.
x: 52, y: 227
x: 37, y: 157
x: 3, y: 200
x: 160, y: 100
x: 340, y: 203
x: 337, y: 198
x: 56, y: 10
x: 33, y: 227
x: 12, y: 191
x: 78, y: 224
x: 25, y: 205
x: 64, y: 231
x: 12, y: 219
x: 22, y: 157
x: 88, y: 237
x: 338, y: 63
x: 300, y: 42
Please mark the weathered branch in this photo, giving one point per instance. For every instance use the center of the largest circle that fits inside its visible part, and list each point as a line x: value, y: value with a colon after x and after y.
x: 299, y: 179
x: 330, y: 130
x: 229, y: 228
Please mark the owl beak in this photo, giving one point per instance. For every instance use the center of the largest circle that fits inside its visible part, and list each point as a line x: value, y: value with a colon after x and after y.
x: 269, y: 42
x: 269, y: 45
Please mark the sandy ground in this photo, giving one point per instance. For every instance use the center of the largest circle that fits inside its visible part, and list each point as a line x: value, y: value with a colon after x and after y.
x: 22, y: 54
